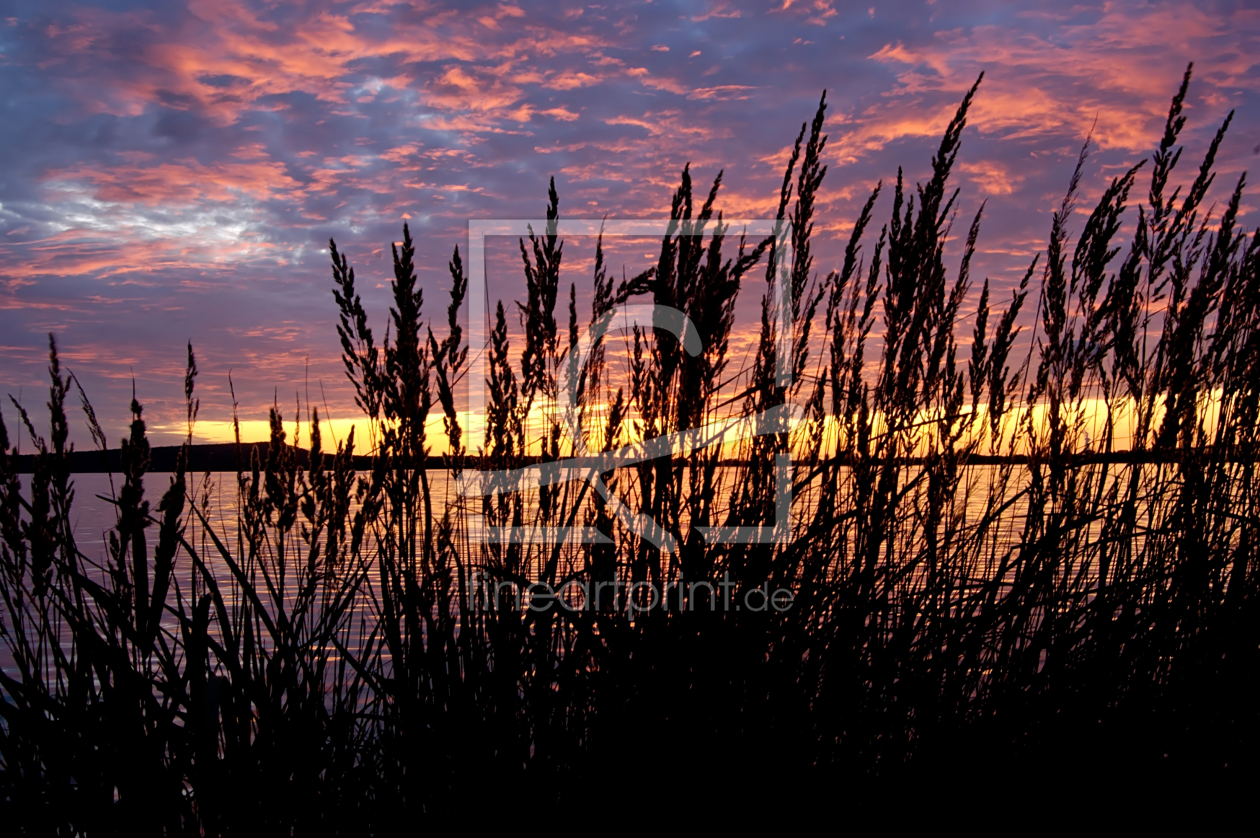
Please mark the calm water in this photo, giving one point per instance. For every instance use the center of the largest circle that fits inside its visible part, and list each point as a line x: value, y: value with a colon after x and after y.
x: 93, y: 516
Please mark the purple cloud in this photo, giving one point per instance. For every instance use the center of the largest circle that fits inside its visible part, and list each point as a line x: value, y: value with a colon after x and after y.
x: 174, y: 172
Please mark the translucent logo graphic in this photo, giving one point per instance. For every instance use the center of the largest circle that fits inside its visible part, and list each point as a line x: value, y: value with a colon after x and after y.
x: 588, y: 467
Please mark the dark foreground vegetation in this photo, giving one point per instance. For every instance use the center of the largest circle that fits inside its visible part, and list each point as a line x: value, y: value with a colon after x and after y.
x: 1034, y: 624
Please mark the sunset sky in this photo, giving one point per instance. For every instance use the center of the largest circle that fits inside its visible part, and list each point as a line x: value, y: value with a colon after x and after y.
x: 173, y: 171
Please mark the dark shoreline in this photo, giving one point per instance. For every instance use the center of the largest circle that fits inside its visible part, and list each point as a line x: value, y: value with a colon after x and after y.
x: 228, y: 456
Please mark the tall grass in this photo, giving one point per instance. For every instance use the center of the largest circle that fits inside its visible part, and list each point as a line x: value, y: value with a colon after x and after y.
x: 985, y: 574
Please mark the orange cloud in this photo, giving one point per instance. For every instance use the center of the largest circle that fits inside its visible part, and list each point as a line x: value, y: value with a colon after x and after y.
x: 1121, y: 68
x: 180, y: 182
x: 992, y: 177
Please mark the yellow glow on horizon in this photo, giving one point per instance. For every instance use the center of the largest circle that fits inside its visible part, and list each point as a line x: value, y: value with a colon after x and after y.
x: 1086, y: 422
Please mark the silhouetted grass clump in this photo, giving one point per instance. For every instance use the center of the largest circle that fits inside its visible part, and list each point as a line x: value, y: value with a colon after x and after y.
x: 984, y: 591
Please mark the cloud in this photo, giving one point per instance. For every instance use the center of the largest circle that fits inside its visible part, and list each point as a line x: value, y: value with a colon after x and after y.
x: 993, y: 178
x: 178, y: 168
x: 179, y: 182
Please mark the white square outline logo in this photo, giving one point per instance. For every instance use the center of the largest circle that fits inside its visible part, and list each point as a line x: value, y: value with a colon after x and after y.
x: 478, y: 483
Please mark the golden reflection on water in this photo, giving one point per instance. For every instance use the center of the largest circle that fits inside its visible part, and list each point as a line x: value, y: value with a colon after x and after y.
x: 990, y: 508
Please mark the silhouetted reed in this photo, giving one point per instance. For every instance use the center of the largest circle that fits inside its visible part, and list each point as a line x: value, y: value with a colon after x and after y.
x: 1031, y: 553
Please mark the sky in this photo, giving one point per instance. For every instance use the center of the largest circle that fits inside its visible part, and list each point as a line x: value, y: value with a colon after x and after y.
x: 173, y: 171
